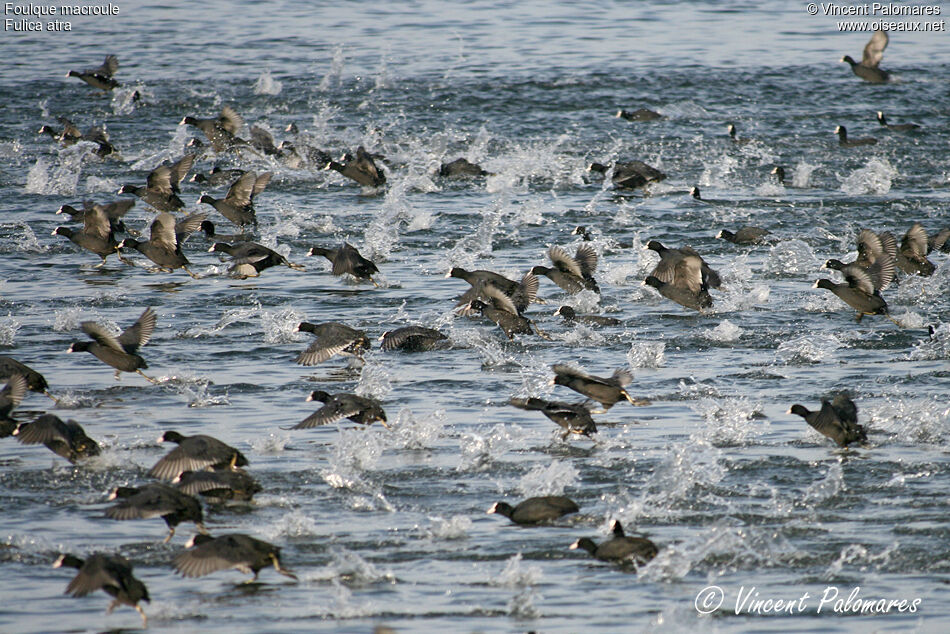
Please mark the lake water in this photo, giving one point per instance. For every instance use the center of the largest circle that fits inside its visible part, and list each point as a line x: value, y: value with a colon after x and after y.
x: 388, y: 527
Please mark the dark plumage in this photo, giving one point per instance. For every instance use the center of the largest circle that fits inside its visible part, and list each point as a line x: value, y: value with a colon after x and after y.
x: 156, y: 500
x: 684, y: 268
x: 96, y: 235
x: 238, y: 204
x: 940, y: 241
x: 35, y: 382
x: 697, y: 300
x: 574, y: 418
x: 166, y: 236
x: 731, y: 129
x: 898, y: 127
x: 195, y: 453
x: 861, y: 288
x: 837, y: 419
x: 248, y: 259
x: 640, y: 114
x: 208, y: 554
x: 208, y: 228
x: 219, y: 486
x: 520, y: 293
x: 221, y: 131
x: 605, y: 390
x: 498, y: 307
x: 871, y: 247
x: 68, y: 439
x: 461, y: 168
x: 161, y: 189
x: 630, y: 175
x: 359, y: 409
x: 413, y: 339
x: 573, y: 274
x: 570, y: 316
x: 536, y: 510
x: 844, y: 141
x: 873, y: 53
x: 912, y: 255
x: 360, y: 168
x: 218, y: 176
x: 346, y: 259
x: 110, y: 573
x: 119, y: 352
x: 745, y: 235
x: 70, y: 135
x: 100, y: 77
x: 114, y: 211
x: 779, y: 173
x: 619, y: 548
x: 10, y: 397
x: 332, y: 338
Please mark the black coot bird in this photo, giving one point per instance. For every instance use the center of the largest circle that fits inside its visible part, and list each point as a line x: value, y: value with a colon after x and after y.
x: 536, y: 510
x: 837, y: 419
x: 241, y: 552
x: 217, y: 177
x: 844, y: 141
x: 497, y: 307
x: 346, y: 259
x: 871, y: 247
x: 100, y: 77
x: 461, y: 168
x: 161, y: 189
x: 745, y: 235
x: 10, y: 397
x: 605, y: 390
x: 861, y: 289
x: 96, y: 235
x: 359, y: 409
x: 249, y: 259
x: 413, y: 339
x: 110, y: 573
x: 360, y: 168
x: 573, y: 274
x: 114, y: 211
x: 568, y: 314
x: 520, y: 293
x: 731, y: 129
x: 332, y: 338
x: 873, y: 53
x: 640, y: 114
x: 230, y: 484
x: 35, y: 382
x: 238, y: 204
x: 68, y: 439
x: 573, y: 418
x: 912, y: 255
x: 619, y: 548
x: 156, y: 500
x: 629, y: 175
x: 677, y: 266
x: 166, y: 236
x: 119, y: 352
x: 898, y: 127
x: 222, y: 130
x: 195, y: 453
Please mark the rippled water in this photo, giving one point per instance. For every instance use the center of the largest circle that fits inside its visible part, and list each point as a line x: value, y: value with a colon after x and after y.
x: 389, y: 526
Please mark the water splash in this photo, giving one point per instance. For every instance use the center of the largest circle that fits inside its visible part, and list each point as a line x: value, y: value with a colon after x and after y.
x: 726, y: 332
x: 646, y: 354
x: 449, y: 529
x: 937, y: 346
x: 791, y: 257
x: 267, y: 85
x: 522, y: 579
x: 8, y: 330
x: 826, y: 488
x: 480, y: 451
x: 549, y: 479
x: 270, y: 444
x: 280, y: 326
x: 874, y: 178
x: 63, y: 177
x: 811, y: 348
x: 292, y: 524
x: 411, y: 432
x: 858, y: 554
x: 730, y: 420
x: 335, y: 72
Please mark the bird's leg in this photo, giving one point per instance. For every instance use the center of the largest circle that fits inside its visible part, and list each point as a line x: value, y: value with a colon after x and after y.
x: 193, y: 275
x: 383, y: 423
x: 375, y: 284
x: 171, y: 533
x: 896, y: 323
x: 144, y: 376
x: 252, y: 579
x: 859, y: 317
x: 117, y: 375
x: 101, y: 264
x: 201, y: 528
x: 112, y: 606
x: 139, y: 609
x: 540, y: 332
x: 46, y: 392
x: 283, y: 571
x: 297, y: 267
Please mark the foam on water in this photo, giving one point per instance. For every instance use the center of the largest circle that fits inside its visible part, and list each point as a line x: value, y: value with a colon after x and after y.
x: 551, y: 479
x: 646, y: 354
x: 810, y: 348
